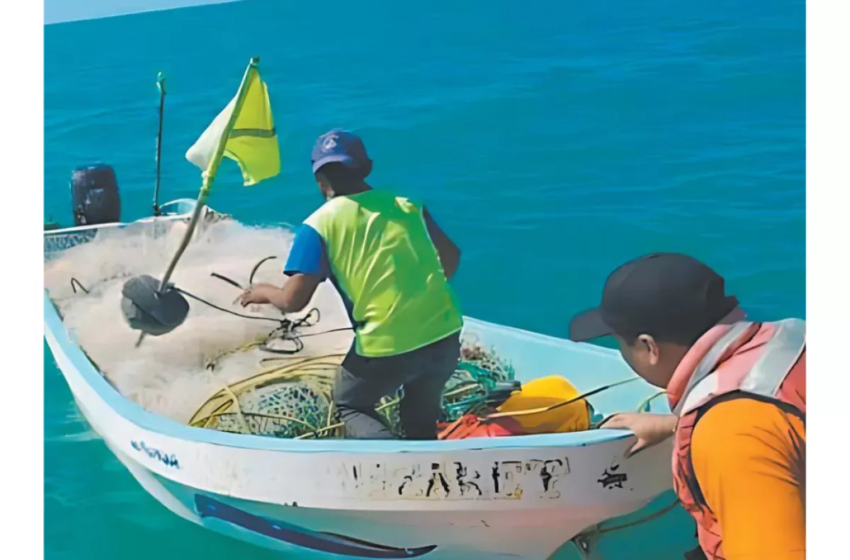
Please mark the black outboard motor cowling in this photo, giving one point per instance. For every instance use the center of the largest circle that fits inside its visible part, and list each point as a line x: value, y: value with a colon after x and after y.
x: 94, y: 194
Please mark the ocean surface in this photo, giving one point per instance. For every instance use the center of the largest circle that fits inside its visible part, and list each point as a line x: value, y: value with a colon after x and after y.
x: 551, y: 140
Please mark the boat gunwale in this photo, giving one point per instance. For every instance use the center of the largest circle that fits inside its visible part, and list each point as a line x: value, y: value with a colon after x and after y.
x: 140, y: 417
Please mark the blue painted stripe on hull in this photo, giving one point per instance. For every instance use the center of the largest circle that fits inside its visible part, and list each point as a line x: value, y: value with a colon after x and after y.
x: 321, y: 541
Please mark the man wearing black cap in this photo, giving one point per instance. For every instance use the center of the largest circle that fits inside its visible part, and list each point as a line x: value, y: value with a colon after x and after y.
x: 737, y: 390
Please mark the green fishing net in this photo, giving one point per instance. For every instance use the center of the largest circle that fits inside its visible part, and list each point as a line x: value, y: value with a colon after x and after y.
x: 295, y: 400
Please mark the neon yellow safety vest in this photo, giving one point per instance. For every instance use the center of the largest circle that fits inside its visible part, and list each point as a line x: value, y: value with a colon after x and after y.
x: 383, y: 259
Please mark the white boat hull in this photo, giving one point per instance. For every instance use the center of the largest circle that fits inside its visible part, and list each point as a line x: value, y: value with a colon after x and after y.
x: 518, y: 497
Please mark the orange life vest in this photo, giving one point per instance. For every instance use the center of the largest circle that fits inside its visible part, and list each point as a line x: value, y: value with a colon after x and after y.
x: 766, y: 361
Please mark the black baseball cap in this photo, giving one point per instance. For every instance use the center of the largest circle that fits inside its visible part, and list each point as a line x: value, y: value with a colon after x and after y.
x: 670, y: 296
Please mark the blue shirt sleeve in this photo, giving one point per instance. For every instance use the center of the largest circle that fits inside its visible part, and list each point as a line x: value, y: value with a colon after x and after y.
x: 308, y: 255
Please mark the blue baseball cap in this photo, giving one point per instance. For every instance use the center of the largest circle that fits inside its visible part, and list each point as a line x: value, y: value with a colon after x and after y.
x: 341, y: 146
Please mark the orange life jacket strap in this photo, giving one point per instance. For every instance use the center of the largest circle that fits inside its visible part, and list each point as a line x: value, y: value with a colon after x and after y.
x: 711, y: 359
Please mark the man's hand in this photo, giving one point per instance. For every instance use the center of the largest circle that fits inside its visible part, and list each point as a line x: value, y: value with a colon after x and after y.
x: 258, y: 293
x: 650, y: 429
x: 292, y: 298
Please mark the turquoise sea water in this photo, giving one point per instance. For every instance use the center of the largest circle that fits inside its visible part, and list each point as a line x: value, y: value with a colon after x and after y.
x: 553, y: 141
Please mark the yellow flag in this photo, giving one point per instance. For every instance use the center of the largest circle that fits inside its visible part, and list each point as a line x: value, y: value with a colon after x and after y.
x: 252, y: 140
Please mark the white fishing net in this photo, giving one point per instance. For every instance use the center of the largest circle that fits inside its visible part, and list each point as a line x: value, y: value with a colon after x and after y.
x: 169, y: 375
x: 215, y: 370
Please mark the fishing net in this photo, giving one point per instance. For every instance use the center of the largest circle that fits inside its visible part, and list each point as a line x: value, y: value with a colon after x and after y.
x: 292, y: 397
x: 252, y: 371
x: 283, y: 400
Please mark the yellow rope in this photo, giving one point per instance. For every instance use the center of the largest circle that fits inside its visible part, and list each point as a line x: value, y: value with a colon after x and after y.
x: 242, y: 420
x: 384, y: 406
x: 317, y: 372
x: 274, y: 416
x: 460, y: 390
x: 291, y: 357
x: 531, y: 411
x: 320, y: 431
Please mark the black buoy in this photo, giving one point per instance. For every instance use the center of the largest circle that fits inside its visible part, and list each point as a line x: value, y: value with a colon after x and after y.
x: 94, y: 194
x: 149, y: 310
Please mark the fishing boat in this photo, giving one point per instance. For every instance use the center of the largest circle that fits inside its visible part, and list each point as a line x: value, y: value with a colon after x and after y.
x: 571, y: 495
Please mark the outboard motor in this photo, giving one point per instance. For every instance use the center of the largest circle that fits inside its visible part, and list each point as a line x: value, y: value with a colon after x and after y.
x: 94, y: 194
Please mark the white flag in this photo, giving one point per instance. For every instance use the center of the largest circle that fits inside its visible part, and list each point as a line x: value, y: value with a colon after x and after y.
x: 202, y: 151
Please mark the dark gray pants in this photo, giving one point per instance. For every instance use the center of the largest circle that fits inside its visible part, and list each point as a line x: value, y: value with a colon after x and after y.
x: 423, y: 373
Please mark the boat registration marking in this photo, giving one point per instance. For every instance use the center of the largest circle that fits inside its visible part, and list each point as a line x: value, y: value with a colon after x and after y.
x: 167, y: 459
x: 454, y: 480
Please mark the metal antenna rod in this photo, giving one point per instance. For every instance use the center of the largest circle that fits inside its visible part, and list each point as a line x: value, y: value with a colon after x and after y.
x: 160, y: 84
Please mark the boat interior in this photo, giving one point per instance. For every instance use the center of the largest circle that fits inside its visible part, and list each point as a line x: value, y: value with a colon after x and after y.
x: 254, y: 371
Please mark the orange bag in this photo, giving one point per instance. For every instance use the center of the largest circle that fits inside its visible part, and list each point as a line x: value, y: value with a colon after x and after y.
x: 470, y: 426
x: 547, y: 405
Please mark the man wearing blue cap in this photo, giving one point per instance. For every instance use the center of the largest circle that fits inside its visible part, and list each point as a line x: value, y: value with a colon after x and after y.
x: 391, y: 264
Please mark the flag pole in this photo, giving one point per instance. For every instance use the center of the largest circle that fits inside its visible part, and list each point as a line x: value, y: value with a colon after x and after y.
x: 160, y: 85
x: 209, y: 176
x: 212, y: 169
